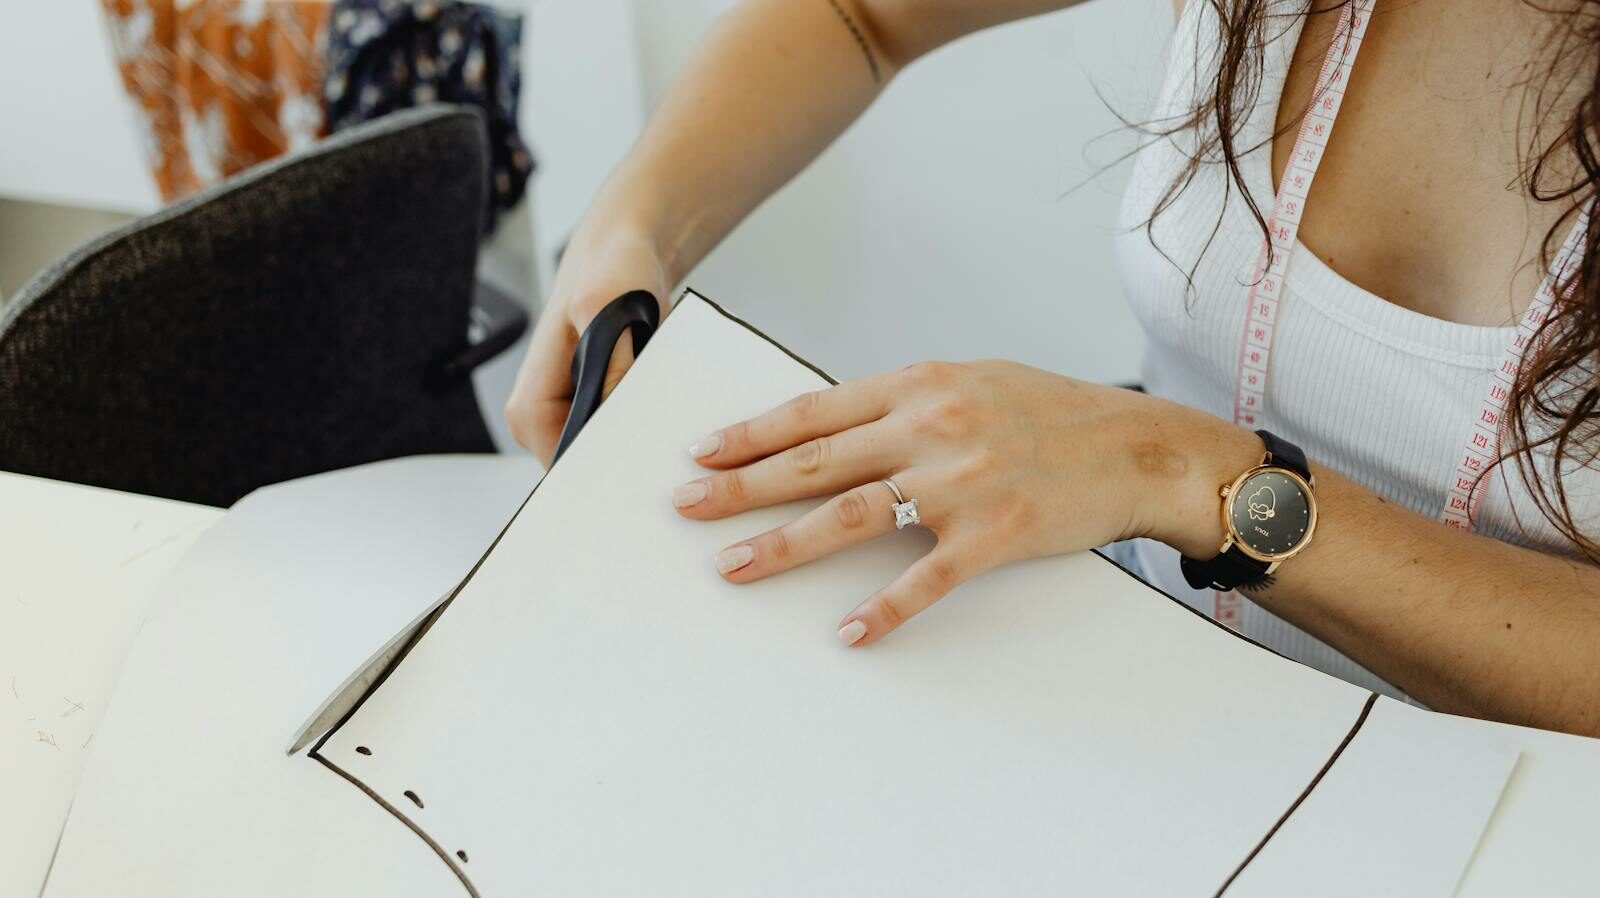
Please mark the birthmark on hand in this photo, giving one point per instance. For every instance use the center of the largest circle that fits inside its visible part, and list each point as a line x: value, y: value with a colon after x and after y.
x: 1158, y: 460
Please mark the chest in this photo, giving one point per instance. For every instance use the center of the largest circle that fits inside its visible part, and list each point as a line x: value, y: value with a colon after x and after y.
x: 1421, y: 198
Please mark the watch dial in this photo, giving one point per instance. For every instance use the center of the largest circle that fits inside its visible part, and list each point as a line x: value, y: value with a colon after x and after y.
x: 1271, y: 513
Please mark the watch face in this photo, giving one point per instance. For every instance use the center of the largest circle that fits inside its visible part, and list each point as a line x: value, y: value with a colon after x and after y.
x: 1271, y: 513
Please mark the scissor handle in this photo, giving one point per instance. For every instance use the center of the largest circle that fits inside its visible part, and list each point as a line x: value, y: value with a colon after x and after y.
x: 638, y: 312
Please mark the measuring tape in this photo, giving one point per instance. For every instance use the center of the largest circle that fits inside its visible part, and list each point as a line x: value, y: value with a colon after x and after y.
x: 1482, y: 445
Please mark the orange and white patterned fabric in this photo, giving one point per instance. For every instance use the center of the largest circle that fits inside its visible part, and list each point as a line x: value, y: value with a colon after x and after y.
x: 219, y: 85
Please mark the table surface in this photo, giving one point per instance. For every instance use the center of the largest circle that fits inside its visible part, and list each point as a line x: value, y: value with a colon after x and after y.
x: 80, y: 569
x: 80, y: 566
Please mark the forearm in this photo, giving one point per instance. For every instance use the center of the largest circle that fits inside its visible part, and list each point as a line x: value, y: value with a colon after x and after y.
x: 774, y: 83
x: 1463, y: 622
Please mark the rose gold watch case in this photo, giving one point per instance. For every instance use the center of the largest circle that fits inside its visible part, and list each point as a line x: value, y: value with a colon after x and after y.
x: 1233, y: 538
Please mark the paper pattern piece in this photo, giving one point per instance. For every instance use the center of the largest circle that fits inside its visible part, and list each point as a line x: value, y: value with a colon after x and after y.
x: 78, y: 567
x: 597, y: 713
x: 188, y: 792
x: 1541, y: 840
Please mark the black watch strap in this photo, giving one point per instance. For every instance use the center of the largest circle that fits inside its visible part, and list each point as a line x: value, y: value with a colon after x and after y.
x: 1230, y: 570
x: 1233, y: 568
x: 1285, y: 454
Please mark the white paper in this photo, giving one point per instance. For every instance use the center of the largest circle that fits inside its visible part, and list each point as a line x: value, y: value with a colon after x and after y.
x: 77, y: 570
x: 1541, y: 840
x: 1404, y: 798
x: 598, y: 714
x: 188, y: 793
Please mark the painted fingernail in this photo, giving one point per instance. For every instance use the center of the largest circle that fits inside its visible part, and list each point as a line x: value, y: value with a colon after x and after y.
x: 706, y: 446
x: 851, y: 633
x: 690, y: 494
x: 734, y: 558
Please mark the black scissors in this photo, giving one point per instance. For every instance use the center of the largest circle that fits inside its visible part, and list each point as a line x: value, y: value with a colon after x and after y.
x: 638, y: 312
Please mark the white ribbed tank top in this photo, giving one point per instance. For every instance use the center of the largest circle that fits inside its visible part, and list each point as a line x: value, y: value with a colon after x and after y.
x: 1375, y: 391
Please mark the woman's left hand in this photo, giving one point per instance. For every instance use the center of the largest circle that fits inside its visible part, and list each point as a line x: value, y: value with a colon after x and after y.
x: 1006, y: 462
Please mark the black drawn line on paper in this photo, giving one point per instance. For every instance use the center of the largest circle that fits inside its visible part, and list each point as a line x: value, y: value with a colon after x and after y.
x: 466, y: 882
x: 1366, y: 710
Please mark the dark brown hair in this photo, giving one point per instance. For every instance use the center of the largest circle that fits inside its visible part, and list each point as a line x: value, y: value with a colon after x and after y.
x: 1553, y: 410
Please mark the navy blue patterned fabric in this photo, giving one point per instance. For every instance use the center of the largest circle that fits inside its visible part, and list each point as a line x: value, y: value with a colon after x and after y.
x: 385, y: 55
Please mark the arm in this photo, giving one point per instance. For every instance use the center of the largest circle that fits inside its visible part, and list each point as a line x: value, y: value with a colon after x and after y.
x: 775, y: 82
x: 1467, y: 624
x: 1010, y: 462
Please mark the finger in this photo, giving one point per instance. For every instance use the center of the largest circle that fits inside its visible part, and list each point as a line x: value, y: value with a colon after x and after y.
x: 537, y: 407
x: 846, y: 520
x: 927, y: 581
x: 805, y: 417
x: 817, y: 467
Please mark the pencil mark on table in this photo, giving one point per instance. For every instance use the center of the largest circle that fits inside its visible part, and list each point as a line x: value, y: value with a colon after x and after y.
x: 14, y: 688
x: 47, y: 738
x: 159, y: 544
x: 75, y: 707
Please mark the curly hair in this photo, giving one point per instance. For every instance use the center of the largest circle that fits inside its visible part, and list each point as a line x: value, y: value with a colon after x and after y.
x: 1553, y: 408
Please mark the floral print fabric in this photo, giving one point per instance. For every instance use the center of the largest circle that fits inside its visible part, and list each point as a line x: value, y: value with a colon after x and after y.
x: 219, y: 85
x: 385, y: 55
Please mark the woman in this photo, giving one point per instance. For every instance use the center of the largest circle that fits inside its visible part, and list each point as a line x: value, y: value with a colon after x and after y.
x: 1465, y: 152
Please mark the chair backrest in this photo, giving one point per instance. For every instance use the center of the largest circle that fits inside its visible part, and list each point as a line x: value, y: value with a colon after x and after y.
x: 286, y: 322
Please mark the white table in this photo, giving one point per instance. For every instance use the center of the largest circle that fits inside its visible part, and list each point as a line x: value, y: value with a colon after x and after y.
x: 78, y: 567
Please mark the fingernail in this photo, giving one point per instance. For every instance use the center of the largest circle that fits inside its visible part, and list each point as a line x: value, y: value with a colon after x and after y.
x: 690, y: 494
x: 851, y: 633
x: 734, y: 558
x: 706, y: 446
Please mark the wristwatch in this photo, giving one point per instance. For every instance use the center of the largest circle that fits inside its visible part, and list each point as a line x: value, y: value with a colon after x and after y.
x: 1269, y: 514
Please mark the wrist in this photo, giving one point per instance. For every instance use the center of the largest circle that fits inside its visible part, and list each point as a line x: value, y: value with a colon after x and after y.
x: 629, y: 210
x: 1217, y: 452
x: 607, y: 256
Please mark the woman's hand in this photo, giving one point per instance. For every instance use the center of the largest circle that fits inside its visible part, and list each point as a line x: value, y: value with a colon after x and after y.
x: 1006, y: 462
x: 593, y: 273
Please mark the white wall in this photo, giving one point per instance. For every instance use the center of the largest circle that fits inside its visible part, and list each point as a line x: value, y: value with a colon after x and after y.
x: 67, y: 131
x: 938, y: 227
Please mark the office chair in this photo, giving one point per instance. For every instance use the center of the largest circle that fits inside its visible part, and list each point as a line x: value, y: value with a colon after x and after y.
x: 310, y: 314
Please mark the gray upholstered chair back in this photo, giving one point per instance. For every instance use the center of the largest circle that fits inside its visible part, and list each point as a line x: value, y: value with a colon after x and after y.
x: 289, y: 321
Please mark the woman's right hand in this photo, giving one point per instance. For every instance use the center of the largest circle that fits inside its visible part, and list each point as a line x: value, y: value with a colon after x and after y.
x: 593, y: 272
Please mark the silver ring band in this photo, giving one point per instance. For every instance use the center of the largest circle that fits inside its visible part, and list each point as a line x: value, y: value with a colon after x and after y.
x: 905, y: 511
x: 894, y: 488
